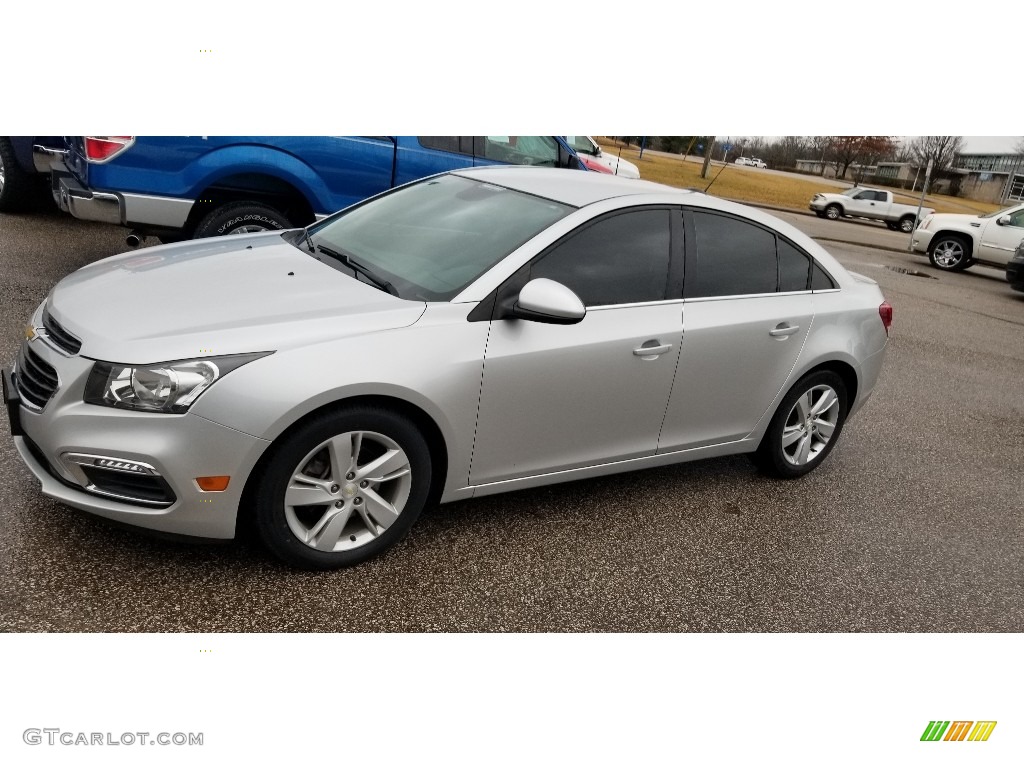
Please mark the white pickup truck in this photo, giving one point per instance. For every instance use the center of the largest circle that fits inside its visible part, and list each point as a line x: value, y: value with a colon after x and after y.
x: 866, y: 203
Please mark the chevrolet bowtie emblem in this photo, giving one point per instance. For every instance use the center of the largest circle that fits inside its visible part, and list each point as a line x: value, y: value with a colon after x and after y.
x: 30, y: 332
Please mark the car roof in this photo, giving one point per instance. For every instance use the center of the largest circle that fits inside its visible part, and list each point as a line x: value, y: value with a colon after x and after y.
x: 572, y: 187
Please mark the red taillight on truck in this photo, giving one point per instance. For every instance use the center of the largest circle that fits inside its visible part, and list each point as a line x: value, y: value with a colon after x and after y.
x: 99, y: 149
x: 885, y: 312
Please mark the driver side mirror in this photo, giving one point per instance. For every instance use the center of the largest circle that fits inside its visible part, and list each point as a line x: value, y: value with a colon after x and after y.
x: 1003, y: 221
x: 545, y: 301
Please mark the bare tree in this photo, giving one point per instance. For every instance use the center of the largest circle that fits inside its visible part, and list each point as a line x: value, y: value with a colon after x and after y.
x: 941, y: 150
x: 844, y: 151
x: 1020, y: 146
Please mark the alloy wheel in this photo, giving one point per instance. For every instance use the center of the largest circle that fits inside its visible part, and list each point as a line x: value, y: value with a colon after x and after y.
x: 810, y: 424
x: 948, y: 253
x: 347, y: 491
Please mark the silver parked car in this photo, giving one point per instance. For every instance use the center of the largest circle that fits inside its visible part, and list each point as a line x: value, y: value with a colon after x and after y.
x: 471, y: 333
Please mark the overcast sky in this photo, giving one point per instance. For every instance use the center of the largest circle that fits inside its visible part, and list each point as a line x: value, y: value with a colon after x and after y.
x: 992, y: 144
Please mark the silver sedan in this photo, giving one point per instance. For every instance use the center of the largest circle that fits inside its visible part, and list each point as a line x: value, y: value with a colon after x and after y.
x: 471, y: 333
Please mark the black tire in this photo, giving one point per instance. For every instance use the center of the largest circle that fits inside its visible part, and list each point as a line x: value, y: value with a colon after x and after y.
x: 833, y: 212
x: 893, y: 226
x: 244, y: 216
x: 773, y: 457
x: 820, y: 214
x: 372, y: 513
x: 950, y: 253
x: 907, y: 224
x: 18, y: 189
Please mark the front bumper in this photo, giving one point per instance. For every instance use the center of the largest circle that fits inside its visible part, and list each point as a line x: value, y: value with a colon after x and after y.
x: 173, y: 450
x: 921, y: 240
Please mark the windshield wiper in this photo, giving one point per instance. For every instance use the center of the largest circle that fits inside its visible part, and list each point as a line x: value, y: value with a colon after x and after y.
x: 355, y: 266
x: 309, y: 240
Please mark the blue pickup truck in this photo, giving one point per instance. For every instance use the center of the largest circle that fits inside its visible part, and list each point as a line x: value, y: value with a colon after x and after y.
x: 179, y: 187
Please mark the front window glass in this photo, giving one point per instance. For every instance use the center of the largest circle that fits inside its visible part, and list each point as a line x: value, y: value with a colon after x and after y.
x: 622, y: 259
x: 852, y: 192
x: 519, y: 150
x: 432, y: 239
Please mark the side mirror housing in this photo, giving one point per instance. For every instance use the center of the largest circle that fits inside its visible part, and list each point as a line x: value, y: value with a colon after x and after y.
x: 546, y: 301
x: 1003, y: 221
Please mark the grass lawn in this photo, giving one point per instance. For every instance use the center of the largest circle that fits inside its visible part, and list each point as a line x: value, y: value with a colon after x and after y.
x: 752, y: 185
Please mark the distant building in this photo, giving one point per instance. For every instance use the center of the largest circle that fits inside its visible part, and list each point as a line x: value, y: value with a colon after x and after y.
x: 987, y: 177
x: 994, y: 178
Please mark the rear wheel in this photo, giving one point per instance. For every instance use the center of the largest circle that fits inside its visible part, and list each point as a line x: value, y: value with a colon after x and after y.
x: 950, y: 253
x: 343, y: 488
x: 805, y: 427
x: 907, y: 224
x: 892, y: 225
x: 241, y: 217
x: 833, y: 212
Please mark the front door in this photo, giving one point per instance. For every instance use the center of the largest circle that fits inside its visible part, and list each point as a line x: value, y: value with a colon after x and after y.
x: 556, y: 397
x: 999, y: 241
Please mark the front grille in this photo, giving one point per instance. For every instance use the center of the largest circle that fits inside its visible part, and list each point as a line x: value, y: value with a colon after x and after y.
x: 145, y: 489
x: 35, y: 378
x: 59, y: 336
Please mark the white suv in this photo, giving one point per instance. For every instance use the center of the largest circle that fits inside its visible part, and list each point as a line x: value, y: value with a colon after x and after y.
x: 955, y: 241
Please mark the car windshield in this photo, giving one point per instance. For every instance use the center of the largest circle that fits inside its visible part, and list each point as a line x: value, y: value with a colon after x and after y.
x: 582, y: 144
x: 997, y: 214
x: 431, y: 239
x: 852, y: 191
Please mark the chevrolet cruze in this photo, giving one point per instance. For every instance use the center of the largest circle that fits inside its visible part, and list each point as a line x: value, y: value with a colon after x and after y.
x: 471, y: 333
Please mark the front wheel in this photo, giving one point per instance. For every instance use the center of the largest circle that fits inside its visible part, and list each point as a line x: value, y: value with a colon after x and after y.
x: 949, y: 253
x: 805, y: 427
x: 241, y: 217
x: 834, y: 212
x: 342, y: 488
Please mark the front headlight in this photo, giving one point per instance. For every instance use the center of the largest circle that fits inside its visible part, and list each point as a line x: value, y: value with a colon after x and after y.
x: 161, y: 387
x: 926, y: 223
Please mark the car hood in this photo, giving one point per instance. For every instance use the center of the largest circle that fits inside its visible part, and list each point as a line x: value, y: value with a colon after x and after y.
x: 619, y: 166
x: 223, y: 295
x: 964, y: 219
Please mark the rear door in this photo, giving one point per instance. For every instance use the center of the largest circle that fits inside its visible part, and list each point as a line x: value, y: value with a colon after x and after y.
x: 747, y: 313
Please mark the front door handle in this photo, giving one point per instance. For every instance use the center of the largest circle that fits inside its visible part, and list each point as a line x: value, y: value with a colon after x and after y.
x: 652, y: 352
x: 783, y: 330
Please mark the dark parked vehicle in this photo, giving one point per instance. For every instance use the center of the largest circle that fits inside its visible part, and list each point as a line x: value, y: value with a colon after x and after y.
x: 1015, y: 268
x: 22, y: 184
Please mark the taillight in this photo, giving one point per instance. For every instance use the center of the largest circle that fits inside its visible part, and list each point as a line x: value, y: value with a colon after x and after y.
x: 99, y: 149
x: 885, y: 312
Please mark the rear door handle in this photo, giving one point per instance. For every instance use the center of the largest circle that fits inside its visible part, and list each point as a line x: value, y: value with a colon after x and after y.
x: 783, y: 330
x: 649, y: 353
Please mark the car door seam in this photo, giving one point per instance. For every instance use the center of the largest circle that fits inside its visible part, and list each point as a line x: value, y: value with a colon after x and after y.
x: 479, y: 403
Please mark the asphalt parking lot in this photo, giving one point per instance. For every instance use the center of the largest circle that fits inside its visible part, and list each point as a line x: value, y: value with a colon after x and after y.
x: 914, y: 524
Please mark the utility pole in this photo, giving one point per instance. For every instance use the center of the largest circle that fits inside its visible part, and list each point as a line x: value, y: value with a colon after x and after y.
x: 707, y: 156
x: 920, y: 203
